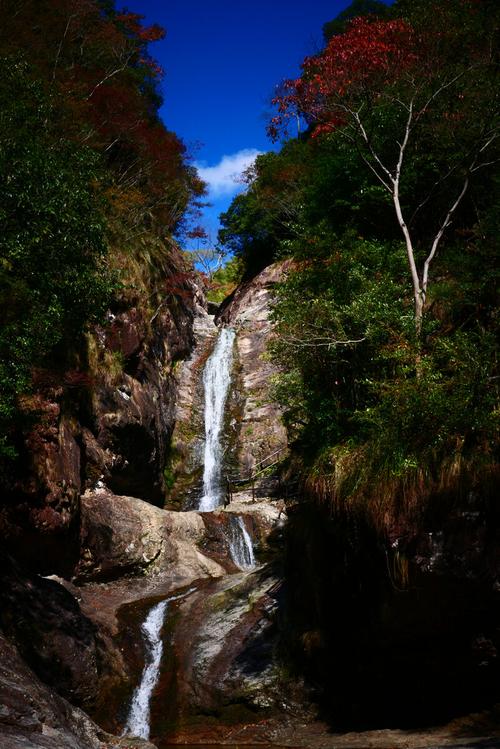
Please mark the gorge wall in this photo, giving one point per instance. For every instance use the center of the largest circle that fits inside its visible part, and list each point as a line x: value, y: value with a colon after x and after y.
x: 100, y: 437
x: 253, y: 430
x: 364, y: 626
x: 397, y: 622
x: 107, y: 423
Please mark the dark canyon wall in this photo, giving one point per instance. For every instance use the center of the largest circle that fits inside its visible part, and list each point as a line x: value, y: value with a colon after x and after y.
x: 396, y: 625
x: 110, y: 424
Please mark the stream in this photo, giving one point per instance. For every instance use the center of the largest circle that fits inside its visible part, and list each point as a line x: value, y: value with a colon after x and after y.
x: 203, y: 665
x: 240, y: 544
x: 216, y: 382
x: 138, y: 721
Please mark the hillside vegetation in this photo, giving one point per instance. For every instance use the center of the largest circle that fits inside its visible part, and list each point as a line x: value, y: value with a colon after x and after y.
x: 385, y: 195
x: 93, y: 189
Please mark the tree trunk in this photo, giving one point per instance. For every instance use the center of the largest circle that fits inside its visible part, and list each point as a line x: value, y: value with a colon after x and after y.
x: 419, y: 312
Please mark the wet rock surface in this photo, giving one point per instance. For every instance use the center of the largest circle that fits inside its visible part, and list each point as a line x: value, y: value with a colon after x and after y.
x: 318, y: 735
x: 223, y: 678
x: 32, y: 716
x: 186, y: 452
x: 133, y: 555
x: 230, y: 657
x: 260, y: 431
x: 126, y: 536
x: 190, y: 549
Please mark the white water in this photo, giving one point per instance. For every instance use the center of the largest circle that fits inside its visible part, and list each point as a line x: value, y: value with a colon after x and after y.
x: 216, y: 380
x: 138, y: 721
x: 240, y: 544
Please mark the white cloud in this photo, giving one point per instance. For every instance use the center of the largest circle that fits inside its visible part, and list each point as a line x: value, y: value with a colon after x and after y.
x: 224, y: 178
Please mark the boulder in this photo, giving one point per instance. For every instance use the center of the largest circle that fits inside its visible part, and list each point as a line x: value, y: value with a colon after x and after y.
x: 32, y: 716
x: 127, y: 536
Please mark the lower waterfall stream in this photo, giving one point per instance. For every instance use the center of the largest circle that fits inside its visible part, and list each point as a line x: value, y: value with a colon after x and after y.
x: 216, y: 381
x: 240, y: 544
x: 138, y: 721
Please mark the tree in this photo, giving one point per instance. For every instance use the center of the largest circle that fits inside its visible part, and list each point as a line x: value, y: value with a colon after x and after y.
x: 355, y: 9
x: 92, y: 186
x: 391, y: 91
x: 54, y: 280
x: 96, y: 63
x: 261, y: 218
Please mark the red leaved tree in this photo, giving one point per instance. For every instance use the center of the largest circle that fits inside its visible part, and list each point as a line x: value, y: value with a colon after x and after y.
x: 390, y: 90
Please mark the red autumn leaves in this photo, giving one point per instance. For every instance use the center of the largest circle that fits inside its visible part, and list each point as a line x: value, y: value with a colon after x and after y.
x: 368, y: 56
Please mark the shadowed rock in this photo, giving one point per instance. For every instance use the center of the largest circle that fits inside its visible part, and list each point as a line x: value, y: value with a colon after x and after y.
x: 54, y: 637
x: 32, y: 716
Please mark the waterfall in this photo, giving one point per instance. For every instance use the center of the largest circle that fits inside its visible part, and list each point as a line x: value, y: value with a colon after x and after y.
x: 138, y: 718
x: 240, y: 544
x: 216, y: 380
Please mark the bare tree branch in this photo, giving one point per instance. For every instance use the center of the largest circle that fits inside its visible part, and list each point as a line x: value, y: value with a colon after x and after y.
x: 59, y: 49
x: 439, y: 236
x: 316, y: 342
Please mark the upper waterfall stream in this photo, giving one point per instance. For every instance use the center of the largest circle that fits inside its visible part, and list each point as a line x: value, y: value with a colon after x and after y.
x: 216, y: 381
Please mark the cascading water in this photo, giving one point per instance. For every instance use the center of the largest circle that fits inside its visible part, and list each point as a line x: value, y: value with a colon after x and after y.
x: 240, y: 544
x: 138, y: 721
x: 216, y: 380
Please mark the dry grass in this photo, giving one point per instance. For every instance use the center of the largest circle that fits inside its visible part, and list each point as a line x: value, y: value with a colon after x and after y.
x: 349, y: 481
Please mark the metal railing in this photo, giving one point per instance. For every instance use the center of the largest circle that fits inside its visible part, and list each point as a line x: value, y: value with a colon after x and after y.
x: 232, y: 482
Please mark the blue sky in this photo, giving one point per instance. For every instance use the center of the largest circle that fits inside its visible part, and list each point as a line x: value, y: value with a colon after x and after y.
x: 222, y: 61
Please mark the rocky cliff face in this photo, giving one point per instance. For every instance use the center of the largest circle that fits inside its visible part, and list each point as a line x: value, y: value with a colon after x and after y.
x: 44, y: 621
x: 396, y: 626
x: 259, y: 429
x: 133, y: 415
x: 185, y: 460
x: 253, y: 429
x: 104, y: 424
x: 32, y: 715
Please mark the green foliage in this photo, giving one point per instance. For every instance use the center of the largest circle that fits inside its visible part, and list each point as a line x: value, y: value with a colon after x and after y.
x: 225, y: 280
x: 92, y: 188
x: 53, y: 281
x: 368, y: 402
x: 169, y: 479
x: 353, y: 381
x: 334, y: 317
x: 356, y: 8
x: 261, y: 219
